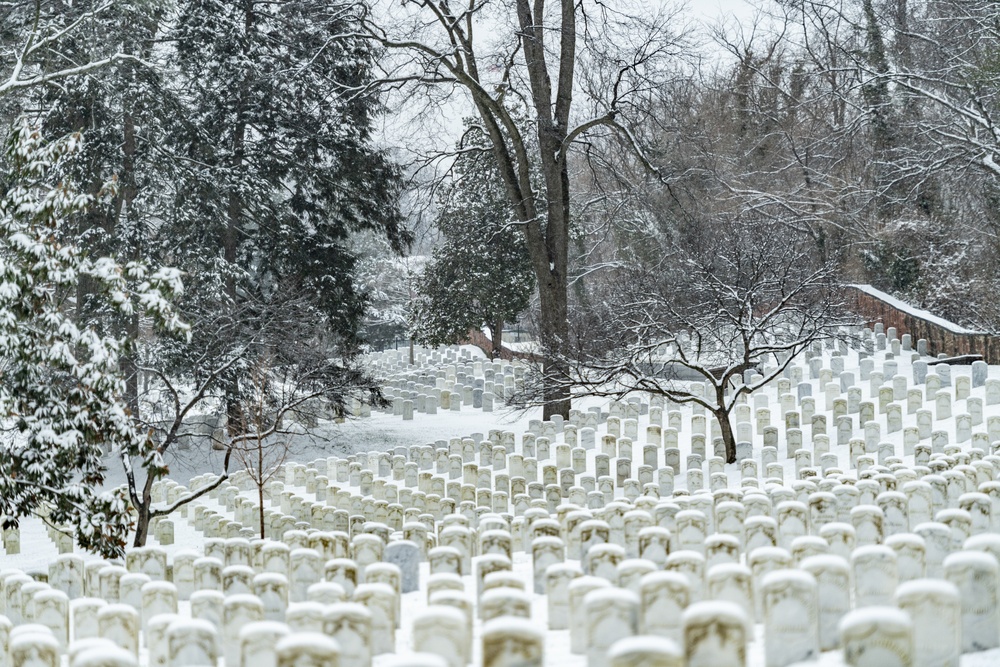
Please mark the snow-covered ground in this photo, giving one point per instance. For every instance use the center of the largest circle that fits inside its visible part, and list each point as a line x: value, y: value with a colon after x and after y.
x: 385, y: 431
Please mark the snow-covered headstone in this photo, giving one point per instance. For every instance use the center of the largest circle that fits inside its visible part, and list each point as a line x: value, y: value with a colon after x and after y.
x: 715, y: 635
x: 877, y: 637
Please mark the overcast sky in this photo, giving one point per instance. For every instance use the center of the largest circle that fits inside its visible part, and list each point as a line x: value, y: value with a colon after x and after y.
x: 740, y: 9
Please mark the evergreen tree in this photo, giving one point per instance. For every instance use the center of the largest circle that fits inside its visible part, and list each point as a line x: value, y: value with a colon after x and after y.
x: 123, y: 111
x: 481, y: 273
x: 62, y: 389
x: 280, y: 169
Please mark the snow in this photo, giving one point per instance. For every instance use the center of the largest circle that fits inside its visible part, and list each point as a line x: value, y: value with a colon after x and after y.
x: 706, y: 610
x: 384, y: 431
x: 800, y: 576
x: 875, y: 614
x: 976, y: 559
x: 936, y: 586
x: 645, y: 644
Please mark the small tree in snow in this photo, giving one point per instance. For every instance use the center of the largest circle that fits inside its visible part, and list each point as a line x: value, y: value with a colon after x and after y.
x: 747, y: 297
x: 62, y: 392
x: 262, y: 448
x: 286, y: 368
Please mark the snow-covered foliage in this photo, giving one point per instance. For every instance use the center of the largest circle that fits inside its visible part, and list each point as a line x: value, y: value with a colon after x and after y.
x: 480, y: 275
x: 61, y: 393
x: 389, y: 283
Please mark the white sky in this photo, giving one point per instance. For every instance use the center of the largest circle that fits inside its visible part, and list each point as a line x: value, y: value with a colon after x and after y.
x: 712, y: 9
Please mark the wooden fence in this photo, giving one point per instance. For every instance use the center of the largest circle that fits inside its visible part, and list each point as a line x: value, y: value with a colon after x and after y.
x: 942, y: 337
x: 483, y: 342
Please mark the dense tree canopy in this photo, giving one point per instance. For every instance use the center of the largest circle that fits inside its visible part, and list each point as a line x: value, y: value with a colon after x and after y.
x: 480, y: 275
x: 62, y: 388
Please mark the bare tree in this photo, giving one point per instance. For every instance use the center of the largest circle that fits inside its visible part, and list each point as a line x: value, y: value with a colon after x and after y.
x: 747, y: 299
x: 265, y: 443
x: 287, y: 368
x: 170, y: 434
x: 572, y: 67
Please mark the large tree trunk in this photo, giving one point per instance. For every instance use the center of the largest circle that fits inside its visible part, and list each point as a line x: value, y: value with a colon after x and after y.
x: 142, y: 524
x: 728, y: 437
x: 554, y: 330
x: 129, y: 192
x: 230, y: 234
x: 496, y: 333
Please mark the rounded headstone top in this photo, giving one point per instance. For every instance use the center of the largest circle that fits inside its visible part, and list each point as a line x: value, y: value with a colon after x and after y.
x: 449, y: 598
x: 824, y: 562
x: 982, y: 541
x: 313, y: 642
x: 978, y: 559
x: 383, y: 568
x: 588, y: 582
x: 304, y: 552
x: 270, y: 578
x: 931, y: 526
x: 439, y: 577
x: 937, y: 587
x: 118, y: 608
x: 768, y: 553
x: 718, y: 539
x: 952, y: 513
x: 88, y: 643
x: 306, y: 607
x: 786, y: 577
x: 873, y: 550
x: 905, y: 539
x: 31, y: 629
x: 685, y: 555
x: 814, y: 540
x: 759, y: 520
x: 876, y: 615
x: 202, y: 595
x: 644, y: 644
x: 104, y: 656
x: 729, y: 570
x: 664, y: 577
x: 51, y: 594
x: 352, y: 609
x: 192, y: 625
x: 439, y: 612
x: 160, y: 586
x: 615, y: 595
x: 512, y: 626
x: 242, y: 599
x: 413, y: 660
x: 712, y: 610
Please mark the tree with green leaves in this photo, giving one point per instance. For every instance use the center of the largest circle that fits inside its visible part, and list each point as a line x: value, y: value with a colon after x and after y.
x: 279, y: 170
x: 481, y: 273
x: 62, y: 394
